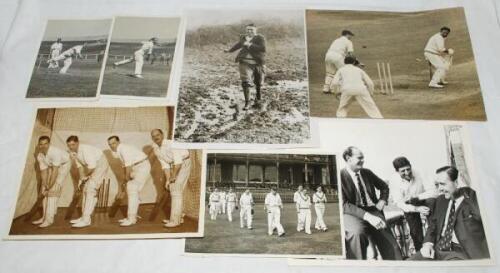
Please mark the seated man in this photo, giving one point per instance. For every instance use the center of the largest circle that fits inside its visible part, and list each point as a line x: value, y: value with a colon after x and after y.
x: 455, y: 228
x: 363, y: 210
x: 408, y: 193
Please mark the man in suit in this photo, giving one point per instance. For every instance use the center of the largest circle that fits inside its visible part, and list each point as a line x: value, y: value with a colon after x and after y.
x: 455, y: 229
x: 251, y: 61
x: 364, y: 219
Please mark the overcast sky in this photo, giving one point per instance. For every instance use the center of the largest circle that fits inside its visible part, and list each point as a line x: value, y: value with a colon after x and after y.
x: 197, y: 18
x: 143, y: 28
x: 76, y: 29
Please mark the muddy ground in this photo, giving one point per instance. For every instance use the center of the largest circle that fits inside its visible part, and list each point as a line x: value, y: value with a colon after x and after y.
x: 210, y: 107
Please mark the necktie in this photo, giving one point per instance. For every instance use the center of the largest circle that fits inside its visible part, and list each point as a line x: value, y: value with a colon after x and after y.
x: 361, y: 190
x: 445, y: 241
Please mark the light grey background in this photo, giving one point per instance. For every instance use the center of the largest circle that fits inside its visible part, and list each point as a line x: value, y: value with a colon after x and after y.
x: 17, y: 55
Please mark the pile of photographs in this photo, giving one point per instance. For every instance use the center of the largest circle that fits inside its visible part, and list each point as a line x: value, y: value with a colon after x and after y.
x: 230, y: 160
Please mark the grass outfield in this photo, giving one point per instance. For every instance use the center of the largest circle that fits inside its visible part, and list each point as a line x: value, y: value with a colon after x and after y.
x: 81, y: 80
x: 224, y: 237
x: 119, y: 82
x: 398, y: 39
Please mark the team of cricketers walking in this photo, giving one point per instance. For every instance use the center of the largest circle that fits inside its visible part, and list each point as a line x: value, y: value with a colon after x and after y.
x: 221, y: 202
x: 55, y: 165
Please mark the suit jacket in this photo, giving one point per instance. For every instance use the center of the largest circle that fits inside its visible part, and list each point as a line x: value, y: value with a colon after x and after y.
x: 468, y: 225
x: 350, y: 193
x: 257, y: 50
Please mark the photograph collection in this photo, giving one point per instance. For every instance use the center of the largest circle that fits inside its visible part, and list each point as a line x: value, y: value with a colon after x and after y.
x: 246, y: 83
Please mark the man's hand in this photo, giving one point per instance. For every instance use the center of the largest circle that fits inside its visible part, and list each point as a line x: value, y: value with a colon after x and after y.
x: 226, y: 50
x: 427, y: 250
x: 380, y: 205
x: 375, y: 221
x: 423, y: 210
x: 82, y: 181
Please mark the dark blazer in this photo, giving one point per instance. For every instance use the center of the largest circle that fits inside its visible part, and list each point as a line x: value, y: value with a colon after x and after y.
x: 468, y: 225
x: 257, y: 50
x: 349, y: 192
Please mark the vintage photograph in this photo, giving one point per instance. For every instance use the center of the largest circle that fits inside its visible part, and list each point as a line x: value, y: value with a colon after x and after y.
x: 70, y: 59
x: 272, y: 205
x: 141, y: 53
x: 107, y: 173
x: 411, y: 198
x: 244, y: 78
x: 397, y: 65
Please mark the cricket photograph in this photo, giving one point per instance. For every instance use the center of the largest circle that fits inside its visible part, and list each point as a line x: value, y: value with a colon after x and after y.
x: 271, y: 205
x: 70, y: 59
x: 141, y: 54
x: 407, y: 198
x: 99, y: 173
x: 244, y: 78
x: 395, y: 65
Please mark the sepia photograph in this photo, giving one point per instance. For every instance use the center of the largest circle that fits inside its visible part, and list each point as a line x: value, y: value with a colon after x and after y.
x: 271, y: 205
x: 141, y: 55
x: 70, y: 59
x: 244, y: 78
x: 107, y: 173
x: 409, y: 198
x: 395, y: 65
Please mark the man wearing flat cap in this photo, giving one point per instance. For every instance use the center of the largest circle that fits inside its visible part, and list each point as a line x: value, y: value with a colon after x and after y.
x: 251, y: 61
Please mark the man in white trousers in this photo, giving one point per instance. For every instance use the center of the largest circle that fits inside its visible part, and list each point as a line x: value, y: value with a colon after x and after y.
x: 55, y: 50
x: 273, y: 206
x: 214, y: 203
x: 67, y: 57
x: 223, y: 202
x: 334, y: 59
x: 92, y: 166
x: 296, y: 196
x: 439, y: 57
x: 246, y: 205
x: 319, y: 200
x: 176, y: 166
x: 54, y: 165
x: 304, y: 211
x: 353, y: 83
x: 137, y: 171
x: 145, y: 49
x: 231, y: 199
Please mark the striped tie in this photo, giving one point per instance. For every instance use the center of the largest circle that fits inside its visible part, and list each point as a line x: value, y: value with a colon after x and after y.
x: 445, y: 241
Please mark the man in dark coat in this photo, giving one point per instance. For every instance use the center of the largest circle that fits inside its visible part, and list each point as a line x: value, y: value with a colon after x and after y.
x: 251, y: 61
x: 363, y: 215
x: 455, y: 229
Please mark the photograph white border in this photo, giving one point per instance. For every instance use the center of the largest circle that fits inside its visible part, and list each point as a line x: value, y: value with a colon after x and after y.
x: 171, y: 84
x: 265, y: 255
x: 101, y: 72
x: 165, y: 235
x: 464, y: 131
x: 311, y: 142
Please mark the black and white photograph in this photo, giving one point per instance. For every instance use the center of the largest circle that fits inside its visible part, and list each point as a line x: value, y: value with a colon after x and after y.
x: 70, y: 59
x: 395, y: 65
x: 244, y: 78
x: 141, y: 56
x: 271, y: 205
x: 107, y: 173
x: 411, y: 198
